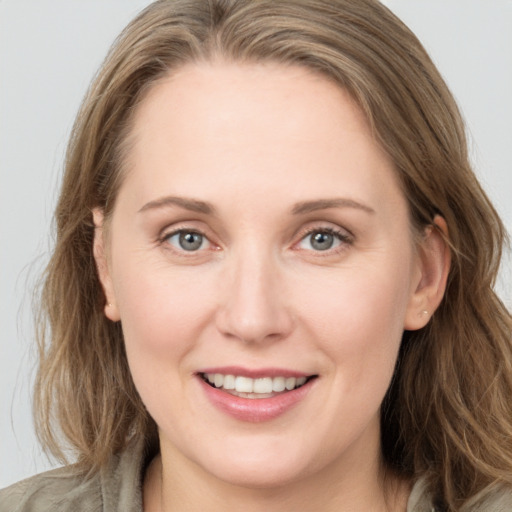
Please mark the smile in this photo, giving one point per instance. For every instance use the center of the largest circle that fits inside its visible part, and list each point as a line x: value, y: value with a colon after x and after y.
x: 255, y: 396
x: 247, y: 387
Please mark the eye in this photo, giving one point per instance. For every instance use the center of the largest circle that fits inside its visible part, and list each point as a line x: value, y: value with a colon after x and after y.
x: 323, y: 239
x: 189, y: 241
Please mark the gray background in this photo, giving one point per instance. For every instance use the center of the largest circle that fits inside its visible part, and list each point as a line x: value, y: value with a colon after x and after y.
x: 50, y: 49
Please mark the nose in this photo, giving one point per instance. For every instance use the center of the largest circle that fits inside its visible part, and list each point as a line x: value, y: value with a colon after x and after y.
x: 254, y: 306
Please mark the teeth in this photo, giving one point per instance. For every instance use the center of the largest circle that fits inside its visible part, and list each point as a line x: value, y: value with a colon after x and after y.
x: 218, y: 380
x: 244, y: 384
x: 263, y: 385
x: 229, y: 382
x: 278, y: 384
x: 290, y: 383
x: 260, y: 386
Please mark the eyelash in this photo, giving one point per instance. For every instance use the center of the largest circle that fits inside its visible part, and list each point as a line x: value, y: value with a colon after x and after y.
x: 345, y: 239
x: 164, y: 240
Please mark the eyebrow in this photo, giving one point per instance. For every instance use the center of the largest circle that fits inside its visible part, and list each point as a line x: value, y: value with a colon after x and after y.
x: 194, y: 205
x: 304, y: 207
x: 324, y: 204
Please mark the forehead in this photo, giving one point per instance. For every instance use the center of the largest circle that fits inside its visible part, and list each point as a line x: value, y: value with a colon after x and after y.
x: 258, y: 122
x: 225, y: 94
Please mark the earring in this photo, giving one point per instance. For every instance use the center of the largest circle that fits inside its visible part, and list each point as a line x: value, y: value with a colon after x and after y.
x: 424, y: 312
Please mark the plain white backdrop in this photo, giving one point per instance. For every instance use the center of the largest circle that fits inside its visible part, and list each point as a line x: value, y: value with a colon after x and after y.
x: 49, y: 51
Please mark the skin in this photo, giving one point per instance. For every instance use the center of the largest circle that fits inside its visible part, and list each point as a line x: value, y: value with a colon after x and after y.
x: 256, y: 142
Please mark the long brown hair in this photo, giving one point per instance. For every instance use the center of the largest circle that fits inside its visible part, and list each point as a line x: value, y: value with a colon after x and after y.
x: 448, y: 413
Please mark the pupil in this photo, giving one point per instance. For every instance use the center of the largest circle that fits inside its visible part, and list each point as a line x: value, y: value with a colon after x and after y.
x: 190, y: 241
x: 322, y: 241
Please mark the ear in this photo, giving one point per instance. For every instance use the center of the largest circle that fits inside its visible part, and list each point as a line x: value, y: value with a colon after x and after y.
x: 102, y: 267
x: 431, y: 277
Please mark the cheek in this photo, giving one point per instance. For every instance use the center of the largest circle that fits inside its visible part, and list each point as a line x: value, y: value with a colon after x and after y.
x: 162, y: 317
x: 162, y: 310
x: 359, y: 316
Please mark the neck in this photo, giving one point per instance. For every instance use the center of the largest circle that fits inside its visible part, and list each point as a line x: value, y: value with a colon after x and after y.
x: 171, y: 486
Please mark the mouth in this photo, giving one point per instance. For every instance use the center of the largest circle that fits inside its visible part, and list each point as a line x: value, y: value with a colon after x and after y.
x: 255, y: 395
x: 254, y: 388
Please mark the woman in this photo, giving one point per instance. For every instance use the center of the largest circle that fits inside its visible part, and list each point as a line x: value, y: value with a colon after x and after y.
x: 272, y: 284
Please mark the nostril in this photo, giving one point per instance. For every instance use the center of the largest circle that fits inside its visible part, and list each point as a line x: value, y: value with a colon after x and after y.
x: 254, y: 320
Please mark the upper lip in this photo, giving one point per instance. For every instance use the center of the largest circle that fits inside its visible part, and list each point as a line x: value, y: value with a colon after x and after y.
x: 254, y: 373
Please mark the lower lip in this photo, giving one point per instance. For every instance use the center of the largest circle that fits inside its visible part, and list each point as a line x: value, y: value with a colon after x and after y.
x: 255, y: 410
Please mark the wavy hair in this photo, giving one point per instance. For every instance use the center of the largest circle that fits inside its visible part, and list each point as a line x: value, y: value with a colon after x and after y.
x: 447, y: 415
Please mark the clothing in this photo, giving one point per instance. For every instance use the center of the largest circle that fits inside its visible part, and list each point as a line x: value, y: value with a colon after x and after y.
x: 118, y: 488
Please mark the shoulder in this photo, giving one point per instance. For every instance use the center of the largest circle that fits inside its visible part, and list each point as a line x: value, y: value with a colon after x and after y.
x: 496, y: 499
x: 60, y: 490
x: 420, y: 499
x: 116, y: 488
x: 493, y: 499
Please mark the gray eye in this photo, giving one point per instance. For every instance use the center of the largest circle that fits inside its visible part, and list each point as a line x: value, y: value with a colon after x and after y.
x: 190, y: 241
x: 187, y: 240
x: 321, y: 240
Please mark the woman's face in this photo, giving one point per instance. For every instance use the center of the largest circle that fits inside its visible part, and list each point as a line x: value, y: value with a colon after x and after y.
x: 260, y: 239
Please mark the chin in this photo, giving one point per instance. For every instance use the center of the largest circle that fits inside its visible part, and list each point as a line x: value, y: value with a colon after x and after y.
x: 259, y: 468
x: 259, y: 476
